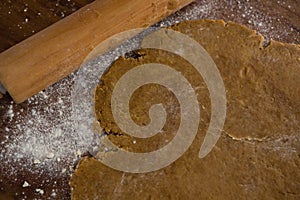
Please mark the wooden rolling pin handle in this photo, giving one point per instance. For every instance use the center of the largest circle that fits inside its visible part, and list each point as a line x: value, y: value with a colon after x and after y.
x: 57, y: 51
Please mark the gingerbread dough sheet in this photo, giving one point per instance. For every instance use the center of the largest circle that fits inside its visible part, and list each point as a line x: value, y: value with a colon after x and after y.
x: 258, y: 154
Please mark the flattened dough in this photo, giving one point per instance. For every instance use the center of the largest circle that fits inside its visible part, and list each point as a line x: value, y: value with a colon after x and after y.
x: 258, y: 154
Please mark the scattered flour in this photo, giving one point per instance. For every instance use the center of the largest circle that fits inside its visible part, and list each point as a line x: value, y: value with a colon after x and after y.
x: 51, y: 130
x: 46, y: 133
x: 25, y: 184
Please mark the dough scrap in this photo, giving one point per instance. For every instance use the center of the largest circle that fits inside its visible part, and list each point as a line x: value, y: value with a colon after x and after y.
x: 258, y: 154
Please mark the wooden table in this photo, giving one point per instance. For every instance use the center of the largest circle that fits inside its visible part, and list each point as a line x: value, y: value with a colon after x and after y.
x: 279, y: 20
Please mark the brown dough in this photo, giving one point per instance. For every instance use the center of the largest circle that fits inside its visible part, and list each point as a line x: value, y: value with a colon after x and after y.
x: 258, y: 154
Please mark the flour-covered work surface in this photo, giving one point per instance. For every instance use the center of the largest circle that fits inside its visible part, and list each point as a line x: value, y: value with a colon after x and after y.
x: 43, y: 139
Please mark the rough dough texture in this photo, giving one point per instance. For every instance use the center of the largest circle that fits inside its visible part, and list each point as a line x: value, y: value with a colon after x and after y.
x: 258, y: 154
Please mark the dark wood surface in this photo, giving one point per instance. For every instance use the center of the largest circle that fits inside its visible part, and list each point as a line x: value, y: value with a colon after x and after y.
x: 19, y: 19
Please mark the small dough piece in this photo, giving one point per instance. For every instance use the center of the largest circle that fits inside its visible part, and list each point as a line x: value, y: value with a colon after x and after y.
x: 257, y: 156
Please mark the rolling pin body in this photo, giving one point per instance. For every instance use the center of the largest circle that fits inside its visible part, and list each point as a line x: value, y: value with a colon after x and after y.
x: 57, y: 51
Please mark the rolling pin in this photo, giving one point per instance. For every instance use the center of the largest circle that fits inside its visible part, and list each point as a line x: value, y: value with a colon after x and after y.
x: 55, y: 52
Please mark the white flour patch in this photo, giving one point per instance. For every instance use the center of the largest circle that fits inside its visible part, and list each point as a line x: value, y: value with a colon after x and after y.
x: 44, y: 135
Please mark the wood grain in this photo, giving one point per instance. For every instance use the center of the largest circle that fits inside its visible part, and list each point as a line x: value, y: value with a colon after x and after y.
x: 52, y: 54
x: 23, y: 18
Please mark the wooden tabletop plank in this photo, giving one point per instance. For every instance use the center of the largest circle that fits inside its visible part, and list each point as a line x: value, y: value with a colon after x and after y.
x: 23, y: 18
